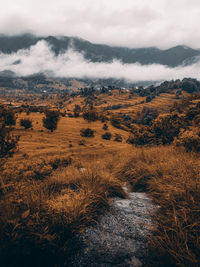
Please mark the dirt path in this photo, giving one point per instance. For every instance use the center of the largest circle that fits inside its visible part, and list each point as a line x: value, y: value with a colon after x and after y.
x: 120, y: 238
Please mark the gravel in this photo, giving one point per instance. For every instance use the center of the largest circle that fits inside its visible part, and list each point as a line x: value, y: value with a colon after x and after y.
x: 120, y: 236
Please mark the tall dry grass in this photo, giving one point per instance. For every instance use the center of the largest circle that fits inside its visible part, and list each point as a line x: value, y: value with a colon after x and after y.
x: 172, y: 177
x: 41, y: 213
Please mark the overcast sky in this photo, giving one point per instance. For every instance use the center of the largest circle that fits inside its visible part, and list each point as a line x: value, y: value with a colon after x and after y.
x: 132, y: 23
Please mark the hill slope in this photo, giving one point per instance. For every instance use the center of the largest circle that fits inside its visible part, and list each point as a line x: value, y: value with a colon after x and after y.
x: 97, y: 52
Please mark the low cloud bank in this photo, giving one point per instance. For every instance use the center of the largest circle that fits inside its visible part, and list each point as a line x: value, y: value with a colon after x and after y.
x: 40, y: 58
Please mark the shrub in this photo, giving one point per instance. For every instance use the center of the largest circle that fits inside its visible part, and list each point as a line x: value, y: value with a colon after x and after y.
x: 142, y: 136
x: 81, y: 142
x: 146, y: 116
x: 148, y: 99
x: 60, y: 162
x: 166, y: 128
x: 77, y: 110
x: 90, y: 115
x: 8, y: 142
x: 189, y: 85
x: 87, y: 132
x: 107, y: 136
x: 118, y: 138
x: 51, y: 120
x: 7, y: 117
x: 26, y: 123
x: 105, y: 127
x: 190, y: 140
x: 103, y: 118
x: 116, y: 121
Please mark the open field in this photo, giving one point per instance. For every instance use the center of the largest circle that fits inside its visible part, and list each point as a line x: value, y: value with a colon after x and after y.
x: 57, y: 183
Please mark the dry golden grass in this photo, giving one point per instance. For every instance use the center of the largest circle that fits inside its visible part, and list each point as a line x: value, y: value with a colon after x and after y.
x: 58, y: 183
x: 45, y: 201
x: 172, y: 177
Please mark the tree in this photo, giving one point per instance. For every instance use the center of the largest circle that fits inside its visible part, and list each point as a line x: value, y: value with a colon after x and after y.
x: 167, y: 127
x: 7, y: 117
x: 106, y: 135
x: 90, y: 115
x: 26, y: 123
x: 105, y: 127
x: 8, y: 142
x: 50, y: 120
x: 87, y: 132
x: 77, y: 110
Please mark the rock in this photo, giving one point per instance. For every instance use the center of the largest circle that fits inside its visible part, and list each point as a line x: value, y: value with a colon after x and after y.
x: 120, y: 237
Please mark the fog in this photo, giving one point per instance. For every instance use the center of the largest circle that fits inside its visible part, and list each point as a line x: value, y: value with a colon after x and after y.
x: 41, y: 58
x: 160, y: 23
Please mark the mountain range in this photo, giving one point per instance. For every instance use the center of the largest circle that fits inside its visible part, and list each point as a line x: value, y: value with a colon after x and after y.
x: 172, y: 57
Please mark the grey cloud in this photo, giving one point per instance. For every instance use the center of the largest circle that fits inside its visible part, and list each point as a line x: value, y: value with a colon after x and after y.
x: 161, y: 23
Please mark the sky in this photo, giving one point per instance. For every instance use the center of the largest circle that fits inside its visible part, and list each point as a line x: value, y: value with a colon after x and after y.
x: 131, y: 23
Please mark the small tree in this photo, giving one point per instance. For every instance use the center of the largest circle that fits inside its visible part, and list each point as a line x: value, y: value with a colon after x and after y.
x: 77, y: 110
x: 106, y: 135
x: 8, y: 142
x: 148, y: 99
x: 105, y: 127
x: 87, y: 132
x: 90, y: 115
x: 26, y: 123
x: 7, y: 117
x: 118, y: 138
x: 51, y: 120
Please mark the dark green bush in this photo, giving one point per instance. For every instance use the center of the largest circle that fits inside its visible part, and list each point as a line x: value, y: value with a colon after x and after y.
x: 105, y: 127
x: 8, y: 142
x: 51, y: 120
x: 7, y: 117
x: 90, y: 115
x: 87, y: 132
x: 26, y: 123
x: 107, y: 136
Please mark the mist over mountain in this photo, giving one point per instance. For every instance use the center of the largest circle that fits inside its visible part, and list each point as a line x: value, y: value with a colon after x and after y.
x: 70, y: 57
x: 103, y: 53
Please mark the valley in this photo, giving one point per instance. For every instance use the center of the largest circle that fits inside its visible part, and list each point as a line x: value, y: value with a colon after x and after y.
x: 65, y: 155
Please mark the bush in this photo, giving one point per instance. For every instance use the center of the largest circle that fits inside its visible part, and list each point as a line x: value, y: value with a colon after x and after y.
x: 51, y: 120
x: 81, y: 142
x: 60, y: 162
x: 26, y: 123
x: 107, y: 136
x: 190, y: 140
x: 142, y: 136
x: 8, y: 142
x: 105, y: 127
x: 116, y: 122
x: 189, y: 85
x: 166, y: 128
x: 7, y: 117
x: 77, y: 110
x: 118, y: 138
x: 148, y: 99
x: 91, y: 115
x: 146, y: 116
x: 87, y: 132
